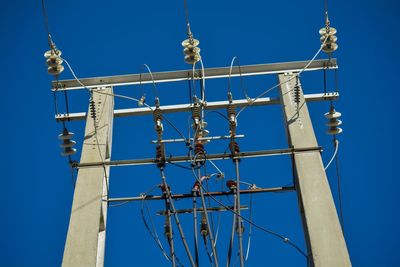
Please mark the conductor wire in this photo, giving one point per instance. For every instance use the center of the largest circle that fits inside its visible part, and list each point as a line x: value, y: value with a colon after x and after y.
x: 241, y: 77
x: 252, y: 101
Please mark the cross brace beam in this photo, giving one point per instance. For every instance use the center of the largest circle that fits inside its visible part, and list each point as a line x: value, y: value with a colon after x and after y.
x: 177, y: 159
x: 187, y: 107
x: 221, y: 193
x: 184, y: 75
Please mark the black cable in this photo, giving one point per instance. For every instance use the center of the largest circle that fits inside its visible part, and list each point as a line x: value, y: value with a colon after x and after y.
x: 339, y: 189
x: 155, y: 238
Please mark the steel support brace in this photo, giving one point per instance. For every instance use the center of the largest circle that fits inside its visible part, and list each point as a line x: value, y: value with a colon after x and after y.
x: 323, y: 234
x: 177, y: 159
x: 180, y: 196
x: 184, y: 75
x: 187, y: 107
x: 85, y: 242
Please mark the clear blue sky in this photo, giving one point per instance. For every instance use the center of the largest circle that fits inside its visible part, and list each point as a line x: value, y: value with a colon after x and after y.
x: 117, y: 37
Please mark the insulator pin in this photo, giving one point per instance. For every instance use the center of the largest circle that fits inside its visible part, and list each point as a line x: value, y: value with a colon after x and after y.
x: 333, y: 122
x: 67, y: 144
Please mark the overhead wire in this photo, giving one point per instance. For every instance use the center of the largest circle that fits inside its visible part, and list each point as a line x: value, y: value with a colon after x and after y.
x: 241, y: 77
x: 252, y: 101
x: 339, y: 189
x: 336, y: 145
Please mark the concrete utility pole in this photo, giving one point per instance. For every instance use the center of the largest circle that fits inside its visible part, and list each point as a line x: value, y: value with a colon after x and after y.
x: 85, y: 242
x: 322, y: 230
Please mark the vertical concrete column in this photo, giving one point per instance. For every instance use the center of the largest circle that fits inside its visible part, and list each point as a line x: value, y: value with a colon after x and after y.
x: 322, y: 230
x: 85, y: 242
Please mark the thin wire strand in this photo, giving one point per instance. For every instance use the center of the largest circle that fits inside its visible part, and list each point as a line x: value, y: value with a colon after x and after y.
x: 121, y: 96
x: 240, y: 74
x: 336, y: 144
x: 339, y: 188
x: 250, y: 228
x: 252, y: 101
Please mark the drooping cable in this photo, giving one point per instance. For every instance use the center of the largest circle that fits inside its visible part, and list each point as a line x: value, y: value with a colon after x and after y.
x: 336, y: 145
x: 252, y: 101
x: 153, y: 233
x: 241, y: 77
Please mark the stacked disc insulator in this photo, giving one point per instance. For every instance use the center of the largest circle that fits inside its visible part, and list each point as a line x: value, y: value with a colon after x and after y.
x: 330, y: 44
x: 67, y: 143
x: 333, y: 122
x: 191, y: 51
x: 54, y: 62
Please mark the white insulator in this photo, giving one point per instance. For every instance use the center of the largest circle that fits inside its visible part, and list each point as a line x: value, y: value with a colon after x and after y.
x: 54, y: 61
x: 68, y: 143
x: 334, y: 131
x: 328, y: 35
x: 191, y: 51
x: 65, y: 135
x: 55, y: 70
x: 333, y: 123
x: 68, y: 151
x: 333, y: 114
x: 190, y: 43
x: 332, y: 31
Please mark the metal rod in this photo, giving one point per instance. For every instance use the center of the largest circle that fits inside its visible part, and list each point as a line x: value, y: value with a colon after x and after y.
x: 239, y: 218
x: 220, y: 193
x: 184, y: 75
x: 170, y: 233
x: 196, y: 242
x: 210, y: 232
x: 198, y: 139
x: 209, y: 209
x: 177, y: 159
x: 228, y: 261
x: 178, y: 224
x: 187, y: 107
